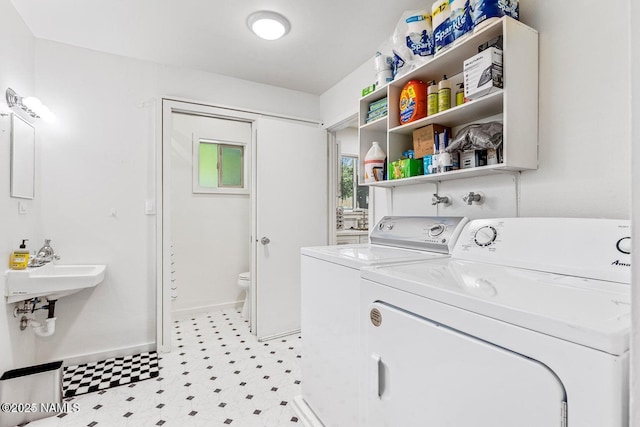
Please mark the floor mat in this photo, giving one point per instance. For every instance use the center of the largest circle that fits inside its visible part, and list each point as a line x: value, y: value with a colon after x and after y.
x: 90, y: 377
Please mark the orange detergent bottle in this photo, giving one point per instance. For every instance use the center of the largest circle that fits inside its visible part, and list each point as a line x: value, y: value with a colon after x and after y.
x: 413, y: 101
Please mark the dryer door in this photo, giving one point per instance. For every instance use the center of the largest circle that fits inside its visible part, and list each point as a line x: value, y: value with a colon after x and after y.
x: 425, y: 374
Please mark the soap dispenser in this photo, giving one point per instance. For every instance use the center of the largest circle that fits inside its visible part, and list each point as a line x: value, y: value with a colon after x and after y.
x: 20, y: 257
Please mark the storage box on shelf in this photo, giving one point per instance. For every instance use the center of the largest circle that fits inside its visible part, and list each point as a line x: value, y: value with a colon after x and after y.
x: 516, y: 105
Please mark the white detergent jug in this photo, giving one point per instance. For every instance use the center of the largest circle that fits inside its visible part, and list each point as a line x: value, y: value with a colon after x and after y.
x: 374, y: 163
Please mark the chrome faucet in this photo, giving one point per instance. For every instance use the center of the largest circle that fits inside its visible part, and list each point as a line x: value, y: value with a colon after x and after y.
x: 436, y: 200
x: 45, y: 255
x: 472, y: 197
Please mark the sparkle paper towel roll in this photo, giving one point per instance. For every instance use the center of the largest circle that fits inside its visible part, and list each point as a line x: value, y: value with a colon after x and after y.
x: 442, y: 30
x: 460, y: 19
x: 419, y: 35
x: 485, y: 11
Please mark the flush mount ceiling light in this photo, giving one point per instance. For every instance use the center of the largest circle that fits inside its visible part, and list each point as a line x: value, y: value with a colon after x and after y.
x: 268, y: 25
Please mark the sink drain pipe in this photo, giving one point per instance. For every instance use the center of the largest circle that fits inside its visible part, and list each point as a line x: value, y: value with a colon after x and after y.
x: 41, y: 329
x: 49, y: 327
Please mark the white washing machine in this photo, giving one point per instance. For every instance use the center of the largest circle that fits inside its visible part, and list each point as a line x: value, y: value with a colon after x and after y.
x: 527, y: 325
x: 330, y: 277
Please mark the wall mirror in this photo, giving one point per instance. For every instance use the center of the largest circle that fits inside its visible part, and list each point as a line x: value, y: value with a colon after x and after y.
x: 23, y: 154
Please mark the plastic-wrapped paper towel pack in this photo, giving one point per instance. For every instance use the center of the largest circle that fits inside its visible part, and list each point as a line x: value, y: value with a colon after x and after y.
x: 421, y: 34
x: 442, y: 29
x: 411, y: 43
x: 485, y: 11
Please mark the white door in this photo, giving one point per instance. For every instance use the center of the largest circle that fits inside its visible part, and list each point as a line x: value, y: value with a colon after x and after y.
x: 425, y: 374
x: 290, y: 202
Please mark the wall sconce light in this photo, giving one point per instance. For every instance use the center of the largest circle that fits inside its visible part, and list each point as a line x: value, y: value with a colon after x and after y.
x: 30, y: 105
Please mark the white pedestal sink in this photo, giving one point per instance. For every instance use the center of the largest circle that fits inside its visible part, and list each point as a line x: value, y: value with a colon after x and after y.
x: 51, y: 281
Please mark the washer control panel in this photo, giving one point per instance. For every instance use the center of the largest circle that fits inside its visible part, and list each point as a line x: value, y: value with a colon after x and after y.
x: 557, y: 245
x: 429, y: 233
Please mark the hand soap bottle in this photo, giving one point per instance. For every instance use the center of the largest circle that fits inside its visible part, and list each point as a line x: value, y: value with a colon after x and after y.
x: 20, y: 257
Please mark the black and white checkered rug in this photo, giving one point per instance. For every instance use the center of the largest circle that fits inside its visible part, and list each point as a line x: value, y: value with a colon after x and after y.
x: 81, y: 379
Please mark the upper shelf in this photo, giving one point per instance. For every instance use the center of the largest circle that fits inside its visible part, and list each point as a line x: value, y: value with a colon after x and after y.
x: 379, y: 125
x: 516, y: 106
x: 451, y: 60
x: 465, y: 113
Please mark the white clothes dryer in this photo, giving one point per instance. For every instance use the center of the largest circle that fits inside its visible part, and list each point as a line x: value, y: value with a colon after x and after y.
x: 330, y: 277
x: 527, y: 325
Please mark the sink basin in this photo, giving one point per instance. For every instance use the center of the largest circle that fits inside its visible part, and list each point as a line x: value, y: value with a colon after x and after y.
x: 51, y: 281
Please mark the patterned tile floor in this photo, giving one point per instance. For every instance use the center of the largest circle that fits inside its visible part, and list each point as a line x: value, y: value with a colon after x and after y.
x: 218, y: 374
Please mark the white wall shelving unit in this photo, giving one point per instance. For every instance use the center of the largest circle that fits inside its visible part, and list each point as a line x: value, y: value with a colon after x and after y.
x: 516, y: 105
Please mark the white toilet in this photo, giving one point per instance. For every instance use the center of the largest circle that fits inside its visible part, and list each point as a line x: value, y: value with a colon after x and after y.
x: 244, y: 281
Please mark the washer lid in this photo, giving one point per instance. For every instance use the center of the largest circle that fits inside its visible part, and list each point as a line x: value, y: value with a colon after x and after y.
x: 589, y: 312
x: 356, y: 256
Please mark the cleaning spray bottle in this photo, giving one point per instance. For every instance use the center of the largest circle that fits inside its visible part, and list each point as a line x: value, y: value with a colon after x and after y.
x: 460, y: 99
x: 20, y: 257
x: 432, y: 98
x: 444, y: 94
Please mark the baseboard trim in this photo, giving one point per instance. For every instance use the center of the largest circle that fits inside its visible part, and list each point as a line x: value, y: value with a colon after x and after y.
x: 304, y: 413
x: 186, y: 312
x: 107, y: 354
x: 284, y: 334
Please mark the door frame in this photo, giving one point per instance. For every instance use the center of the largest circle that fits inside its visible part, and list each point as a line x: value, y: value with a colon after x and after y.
x: 333, y: 168
x: 168, y: 105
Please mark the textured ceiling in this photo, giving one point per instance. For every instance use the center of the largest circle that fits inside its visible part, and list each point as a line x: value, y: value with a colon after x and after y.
x: 328, y: 38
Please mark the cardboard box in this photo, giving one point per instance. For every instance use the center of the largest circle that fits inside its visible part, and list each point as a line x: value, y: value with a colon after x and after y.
x: 483, y: 73
x: 405, y: 168
x: 473, y: 158
x: 424, y: 137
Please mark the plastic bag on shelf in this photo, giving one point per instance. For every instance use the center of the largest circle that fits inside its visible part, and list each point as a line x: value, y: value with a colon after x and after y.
x: 384, y: 64
x: 478, y: 136
x: 412, y: 41
x: 410, y: 45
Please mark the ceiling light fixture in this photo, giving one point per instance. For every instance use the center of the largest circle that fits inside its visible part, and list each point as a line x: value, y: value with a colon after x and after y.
x: 268, y: 25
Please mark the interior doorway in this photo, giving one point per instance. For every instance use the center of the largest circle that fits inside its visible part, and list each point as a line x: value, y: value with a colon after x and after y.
x: 285, y: 178
x: 350, y: 224
x: 210, y: 211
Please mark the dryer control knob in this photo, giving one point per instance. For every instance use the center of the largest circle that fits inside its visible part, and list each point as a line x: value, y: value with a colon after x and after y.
x: 436, y: 230
x: 624, y: 245
x: 485, y: 236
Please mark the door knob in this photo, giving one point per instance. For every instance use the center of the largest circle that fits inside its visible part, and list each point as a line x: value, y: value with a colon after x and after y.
x: 265, y: 241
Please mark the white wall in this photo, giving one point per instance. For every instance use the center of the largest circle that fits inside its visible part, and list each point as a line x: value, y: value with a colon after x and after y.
x: 583, y: 115
x: 341, y: 101
x: 348, y: 139
x: 211, y: 232
x: 99, y: 160
x: 635, y: 218
x: 17, y: 72
x: 584, y: 111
